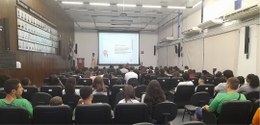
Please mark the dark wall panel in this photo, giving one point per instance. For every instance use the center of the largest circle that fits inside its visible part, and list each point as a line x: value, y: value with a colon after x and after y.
x: 38, y: 65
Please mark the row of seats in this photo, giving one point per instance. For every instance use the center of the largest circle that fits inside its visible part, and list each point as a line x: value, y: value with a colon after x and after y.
x: 90, y: 114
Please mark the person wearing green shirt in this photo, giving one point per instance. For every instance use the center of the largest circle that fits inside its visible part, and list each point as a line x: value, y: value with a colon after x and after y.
x: 216, y: 104
x: 14, y: 90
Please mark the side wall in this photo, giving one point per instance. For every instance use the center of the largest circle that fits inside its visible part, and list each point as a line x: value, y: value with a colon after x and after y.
x: 35, y: 65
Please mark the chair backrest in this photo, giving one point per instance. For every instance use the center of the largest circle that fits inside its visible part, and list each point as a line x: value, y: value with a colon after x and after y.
x: 200, y: 99
x: 206, y: 88
x: 63, y: 80
x: 209, y: 80
x: 164, y: 112
x: 14, y: 115
x: 71, y: 100
x: 115, y: 81
x: 183, y: 94
x: 176, y: 80
x: 133, y: 81
x: 256, y: 105
x: 193, y: 123
x: 85, y: 81
x: 114, y: 90
x: 195, y: 81
x: 235, y: 112
x: 41, y: 98
x: 208, y: 117
x: 126, y: 113
x: 166, y: 83
x: 99, y: 98
x: 93, y: 114
x: 140, y: 90
x: 46, y: 80
x: 106, y: 81
x: 28, y: 92
x: 53, y: 90
x: 45, y: 114
x: 253, y: 96
x: 2, y: 95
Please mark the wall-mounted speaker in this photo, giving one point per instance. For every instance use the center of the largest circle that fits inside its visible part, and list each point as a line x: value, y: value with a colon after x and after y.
x: 154, y: 50
x: 176, y: 49
x: 247, y: 41
x: 179, y: 49
x: 76, y: 48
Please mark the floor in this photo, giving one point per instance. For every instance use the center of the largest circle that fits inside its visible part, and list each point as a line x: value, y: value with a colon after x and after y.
x: 178, y: 119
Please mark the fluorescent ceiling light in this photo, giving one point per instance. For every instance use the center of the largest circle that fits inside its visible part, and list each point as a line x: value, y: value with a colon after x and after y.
x: 151, y: 6
x: 126, y: 5
x: 100, y: 4
x: 176, y: 7
x: 69, y: 2
x: 197, y: 4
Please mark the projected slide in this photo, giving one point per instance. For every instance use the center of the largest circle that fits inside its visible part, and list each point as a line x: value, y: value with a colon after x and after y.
x: 118, y: 48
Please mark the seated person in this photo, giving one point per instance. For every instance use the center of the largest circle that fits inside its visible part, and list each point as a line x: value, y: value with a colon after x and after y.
x: 56, y: 100
x: 86, y: 96
x: 14, y: 90
x: 99, y: 86
x: 216, y: 104
x: 201, y: 81
x: 251, y: 85
x: 26, y: 81
x: 129, y: 95
x: 221, y: 86
x: 186, y: 81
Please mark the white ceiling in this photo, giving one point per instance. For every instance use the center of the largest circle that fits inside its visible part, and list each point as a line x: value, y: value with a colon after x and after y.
x: 89, y: 17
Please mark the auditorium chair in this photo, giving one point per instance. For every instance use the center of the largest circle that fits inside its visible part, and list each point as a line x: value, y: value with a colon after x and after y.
x: 53, y: 90
x: 14, y: 115
x: 140, y: 90
x: 71, y: 100
x: 46, y: 114
x: 85, y: 81
x: 28, y: 92
x: 176, y: 80
x: 133, y: 81
x: 41, y: 98
x: 166, y: 83
x: 99, y: 98
x: 206, y: 88
x: 106, y: 81
x: 130, y: 113
x: 198, y: 99
x: 2, y: 95
x: 232, y: 112
x: 183, y: 95
x: 164, y: 112
x: 253, y: 96
x: 93, y: 114
x: 114, y: 90
x: 256, y: 105
x: 195, y: 81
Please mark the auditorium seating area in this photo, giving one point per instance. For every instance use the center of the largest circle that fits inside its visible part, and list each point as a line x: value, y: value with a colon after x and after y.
x: 106, y: 110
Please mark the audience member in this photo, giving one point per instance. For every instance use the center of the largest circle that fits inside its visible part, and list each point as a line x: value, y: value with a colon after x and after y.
x: 231, y: 94
x: 71, y: 95
x: 86, y: 95
x: 56, y: 100
x: 14, y: 90
x: 201, y: 81
x: 186, y: 81
x: 26, y: 81
x: 251, y: 85
x: 3, y: 78
x: 99, y: 86
x: 130, y: 74
x: 241, y: 80
x: 70, y: 86
x: 256, y: 118
x: 129, y: 95
x: 221, y: 86
x: 153, y: 95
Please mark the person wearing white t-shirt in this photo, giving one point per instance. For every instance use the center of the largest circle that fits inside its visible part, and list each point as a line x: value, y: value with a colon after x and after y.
x: 130, y: 74
x: 129, y: 95
x: 186, y: 81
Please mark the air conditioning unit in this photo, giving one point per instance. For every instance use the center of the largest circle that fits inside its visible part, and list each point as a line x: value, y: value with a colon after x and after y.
x: 210, y: 23
x: 192, y: 31
x: 168, y: 38
x: 243, y: 13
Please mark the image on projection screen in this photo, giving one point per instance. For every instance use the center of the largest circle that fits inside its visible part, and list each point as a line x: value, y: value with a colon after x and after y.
x: 118, y: 48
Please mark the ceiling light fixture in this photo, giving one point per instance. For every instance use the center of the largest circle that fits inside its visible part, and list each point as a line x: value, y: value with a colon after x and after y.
x: 197, y: 4
x: 69, y: 2
x: 176, y: 7
x: 100, y: 4
x: 126, y: 5
x: 151, y: 6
